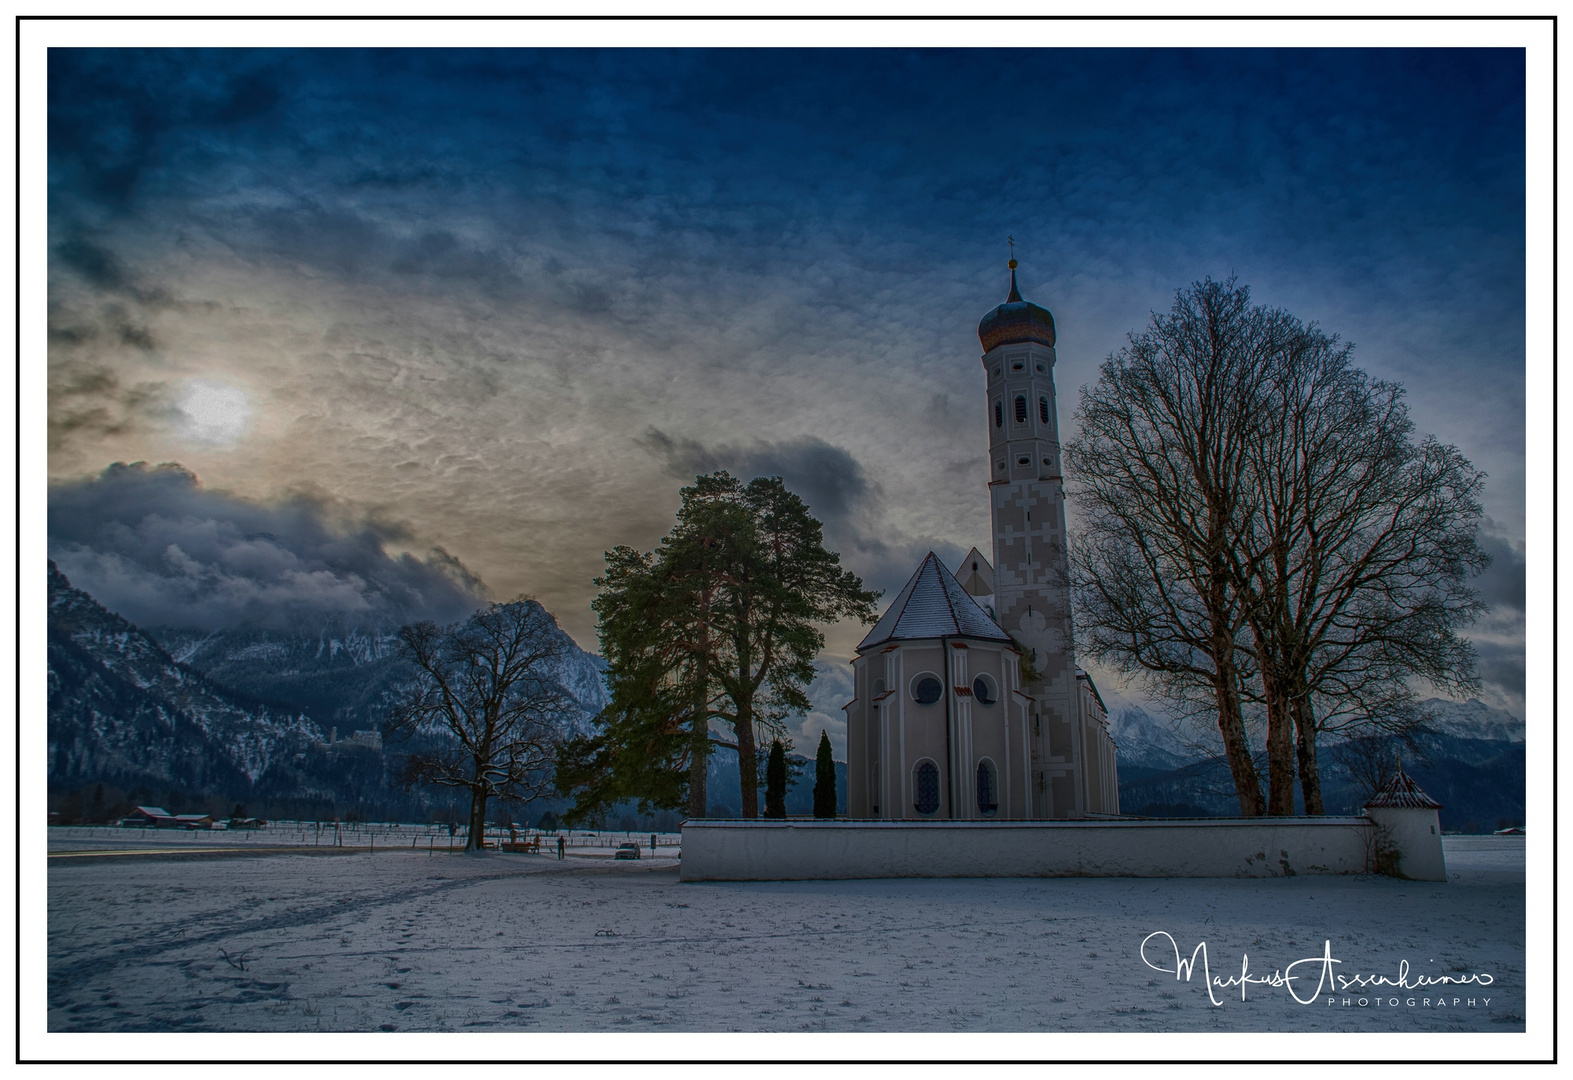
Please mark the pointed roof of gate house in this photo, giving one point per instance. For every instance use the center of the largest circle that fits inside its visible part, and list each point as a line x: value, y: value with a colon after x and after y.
x: 933, y: 604
x: 1401, y: 791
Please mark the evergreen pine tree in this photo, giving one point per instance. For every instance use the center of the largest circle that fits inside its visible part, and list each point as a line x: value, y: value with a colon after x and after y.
x: 775, y: 781
x: 824, y: 780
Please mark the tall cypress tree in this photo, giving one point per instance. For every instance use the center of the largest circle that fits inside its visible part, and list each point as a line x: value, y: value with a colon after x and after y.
x: 824, y: 780
x: 775, y: 781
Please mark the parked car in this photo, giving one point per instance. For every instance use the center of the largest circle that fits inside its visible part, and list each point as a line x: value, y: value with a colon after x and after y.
x: 627, y: 851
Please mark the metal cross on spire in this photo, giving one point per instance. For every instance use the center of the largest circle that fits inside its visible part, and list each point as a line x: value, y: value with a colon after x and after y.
x: 1011, y: 240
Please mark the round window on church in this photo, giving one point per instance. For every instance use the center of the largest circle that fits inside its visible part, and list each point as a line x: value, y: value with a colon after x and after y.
x: 983, y: 690
x: 925, y: 787
x: 927, y: 689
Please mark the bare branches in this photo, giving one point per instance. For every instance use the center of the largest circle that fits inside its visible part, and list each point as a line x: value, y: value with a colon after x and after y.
x: 485, y: 693
x: 1259, y: 522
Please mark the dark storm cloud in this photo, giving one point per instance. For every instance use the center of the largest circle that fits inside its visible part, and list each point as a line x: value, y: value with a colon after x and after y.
x: 831, y: 481
x: 154, y: 545
x: 1501, y: 669
x: 116, y: 115
x: 1502, y: 584
x: 827, y: 478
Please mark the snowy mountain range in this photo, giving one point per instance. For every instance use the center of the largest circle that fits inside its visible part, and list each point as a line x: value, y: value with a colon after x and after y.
x: 121, y: 708
x: 237, y: 714
x: 1471, y: 759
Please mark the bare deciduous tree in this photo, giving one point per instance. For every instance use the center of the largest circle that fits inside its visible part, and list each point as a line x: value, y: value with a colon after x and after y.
x: 1160, y: 487
x: 1259, y: 522
x: 486, y: 693
x: 1356, y: 566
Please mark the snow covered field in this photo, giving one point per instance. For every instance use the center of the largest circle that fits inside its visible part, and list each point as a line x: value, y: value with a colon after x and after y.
x: 401, y: 940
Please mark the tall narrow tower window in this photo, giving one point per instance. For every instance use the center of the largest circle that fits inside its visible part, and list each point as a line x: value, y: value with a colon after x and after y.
x: 1043, y: 409
x: 1021, y: 409
x: 999, y: 414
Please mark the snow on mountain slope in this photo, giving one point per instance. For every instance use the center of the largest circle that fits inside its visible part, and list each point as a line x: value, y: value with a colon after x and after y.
x: 1473, y: 719
x: 106, y: 652
x: 344, y: 674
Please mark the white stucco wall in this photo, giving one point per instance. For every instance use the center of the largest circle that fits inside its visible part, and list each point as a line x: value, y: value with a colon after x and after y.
x: 1223, y: 847
x: 1417, y: 836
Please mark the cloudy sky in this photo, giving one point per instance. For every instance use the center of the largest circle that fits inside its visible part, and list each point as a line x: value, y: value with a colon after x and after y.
x: 419, y: 325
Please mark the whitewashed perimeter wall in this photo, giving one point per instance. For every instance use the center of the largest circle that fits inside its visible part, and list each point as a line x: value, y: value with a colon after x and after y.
x: 1222, y: 848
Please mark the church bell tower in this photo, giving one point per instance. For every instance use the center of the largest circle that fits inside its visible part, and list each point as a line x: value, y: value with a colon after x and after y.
x: 1031, y: 561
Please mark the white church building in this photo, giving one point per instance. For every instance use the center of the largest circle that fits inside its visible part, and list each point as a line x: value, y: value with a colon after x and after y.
x: 969, y: 704
x: 977, y: 748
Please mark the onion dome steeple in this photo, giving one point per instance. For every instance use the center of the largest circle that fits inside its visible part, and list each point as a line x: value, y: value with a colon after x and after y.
x: 1016, y: 320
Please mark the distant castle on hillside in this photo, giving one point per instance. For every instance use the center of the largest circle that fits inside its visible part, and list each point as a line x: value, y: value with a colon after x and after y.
x: 969, y: 702
x: 367, y: 740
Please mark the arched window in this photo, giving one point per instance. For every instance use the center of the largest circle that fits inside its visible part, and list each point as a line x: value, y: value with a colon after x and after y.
x: 983, y: 690
x: 1043, y: 409
x: 1021, y: 409
x: 988, y: 788
x: 926, y: 688
x: 999, y: 414
x: 925, y: 787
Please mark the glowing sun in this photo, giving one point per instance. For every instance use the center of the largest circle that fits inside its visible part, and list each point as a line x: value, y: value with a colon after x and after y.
x: 213, y: 412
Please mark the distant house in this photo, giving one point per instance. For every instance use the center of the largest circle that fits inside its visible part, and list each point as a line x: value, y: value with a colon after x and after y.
x: 150, y: 816
x: 194, y: 821
x: 367, y: 740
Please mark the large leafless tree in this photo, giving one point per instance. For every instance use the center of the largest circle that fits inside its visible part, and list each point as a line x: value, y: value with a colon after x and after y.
x: 487, y: 700
x: 1356, y: 567
x: 1161, y: 486
x: 1260, y: 523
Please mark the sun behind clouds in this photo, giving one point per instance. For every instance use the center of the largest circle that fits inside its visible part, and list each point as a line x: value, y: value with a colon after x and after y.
x: 212, y: 412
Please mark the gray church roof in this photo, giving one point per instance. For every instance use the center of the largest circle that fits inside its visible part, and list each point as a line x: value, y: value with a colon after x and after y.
x: 932, y: 605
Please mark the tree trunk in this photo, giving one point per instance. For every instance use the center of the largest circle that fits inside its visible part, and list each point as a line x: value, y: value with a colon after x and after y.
x: 1305, y: 749
x: 1280, y: 741
x: 477, y: 838
x: 747, y: 759
x: 699, y: 744
x: 1231, y: 725
x: 1226, y: 688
